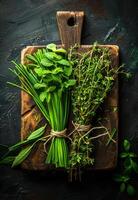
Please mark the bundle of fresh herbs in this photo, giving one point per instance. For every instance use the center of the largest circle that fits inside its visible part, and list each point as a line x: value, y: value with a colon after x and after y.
x: 46, y: 77
x: 94, y: 77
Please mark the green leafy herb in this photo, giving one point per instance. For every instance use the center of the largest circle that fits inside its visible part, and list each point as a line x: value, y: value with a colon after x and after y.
x: 94, y: 77
x: 130, y: 167
x: 46, y: 78
x: 22, y: 155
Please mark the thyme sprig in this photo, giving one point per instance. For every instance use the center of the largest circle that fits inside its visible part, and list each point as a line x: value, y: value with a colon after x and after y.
x: 94, y: 76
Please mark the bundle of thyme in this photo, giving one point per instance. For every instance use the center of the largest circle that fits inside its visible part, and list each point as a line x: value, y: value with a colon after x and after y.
x: 94, y: 79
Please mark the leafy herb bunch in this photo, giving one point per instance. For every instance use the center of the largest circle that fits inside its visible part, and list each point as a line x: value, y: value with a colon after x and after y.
x: 94, y: 79
x: 46, y: 77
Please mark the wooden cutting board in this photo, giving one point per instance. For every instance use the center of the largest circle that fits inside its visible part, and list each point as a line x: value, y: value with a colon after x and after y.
x: 70, y: 26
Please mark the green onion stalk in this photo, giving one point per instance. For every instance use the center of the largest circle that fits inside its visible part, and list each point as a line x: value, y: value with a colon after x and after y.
x: 46, y: 77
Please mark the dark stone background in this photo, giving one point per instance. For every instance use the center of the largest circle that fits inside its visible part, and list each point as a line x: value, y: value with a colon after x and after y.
x: 30, y: 22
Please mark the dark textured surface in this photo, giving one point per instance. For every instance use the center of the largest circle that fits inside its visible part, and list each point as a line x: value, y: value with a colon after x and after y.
x: 29, y: 22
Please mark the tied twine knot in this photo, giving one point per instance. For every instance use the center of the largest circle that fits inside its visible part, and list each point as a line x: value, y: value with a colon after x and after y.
x: 53, y: 134
x: 58, y: 133
x: 82, y: 128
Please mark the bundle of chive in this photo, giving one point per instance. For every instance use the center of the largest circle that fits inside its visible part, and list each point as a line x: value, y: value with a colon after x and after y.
x: 94, y: 79
x: 46, y: 78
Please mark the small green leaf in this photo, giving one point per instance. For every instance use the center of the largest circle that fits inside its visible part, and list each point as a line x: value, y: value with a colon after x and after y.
x: 128, y: 75
x: 42, y: 72
x: 64, y: 62
x: 51, y: 88
x: 61, y: 50
x: 130, y: 190
x: 124, y: 155
x: 37, y: 133
x: 39, y: 71
x: 126, y: 145
x: 127, y: 163
x: 7, y: 160
x: 132, y: 155
x: 22, y: 155
x: 31, y: 57
x: 51, y: 47
x: 46, y: 62
x: 42, y: 96
x: 57, y: 70
x: 134, y: 166
x: 56, y: 78
x: 70, y: 82
x: 122, y: 187
x: 53, y: 56
x: 100, y: 76
x: 39, y: 85
x: 68, y: 70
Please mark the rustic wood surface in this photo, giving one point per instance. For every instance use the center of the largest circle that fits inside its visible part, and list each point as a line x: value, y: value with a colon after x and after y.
x: 105, y: 156
x: 32, y: 22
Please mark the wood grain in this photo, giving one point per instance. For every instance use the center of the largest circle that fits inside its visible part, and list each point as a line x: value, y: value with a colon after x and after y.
x: 105, y: 156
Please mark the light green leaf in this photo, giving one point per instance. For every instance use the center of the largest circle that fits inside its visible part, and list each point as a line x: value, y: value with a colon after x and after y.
x: 61, y: 50
x: 42, y: 72
x: 39, y: 85
x: 31, y: 57
x: 51, y: 47
x: 57, y: 70
x: 56, y: 78
x: 130, y: 190
x: 42, y: 96
x: 22, y: 155
x: 51, y: 88
x: 37, y: 133
x: 64, y: 62
x: 46, y: 62
x: 100, y: 76
x: 70, y: 82
x: 132, y: 155
x: 126, y: 145
x: 123, y: 155
x: 39, y: 71
x: 134, y: 166
x: 52, y: 56
x: 68, y: 70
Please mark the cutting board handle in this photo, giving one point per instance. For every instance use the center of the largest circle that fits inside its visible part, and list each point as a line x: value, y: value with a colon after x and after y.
x: 70, y: 26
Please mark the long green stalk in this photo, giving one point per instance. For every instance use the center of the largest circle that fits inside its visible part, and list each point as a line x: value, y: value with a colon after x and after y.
x: 47, y: 80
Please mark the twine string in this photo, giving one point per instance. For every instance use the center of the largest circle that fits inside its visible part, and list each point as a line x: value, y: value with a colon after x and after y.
x: 53, y: 134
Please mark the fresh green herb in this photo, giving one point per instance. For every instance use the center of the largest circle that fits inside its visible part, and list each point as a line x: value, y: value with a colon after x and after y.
x: 130, y: 167
x: 46, y: 77
x: 31, y: 141
x: 94, y: 76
